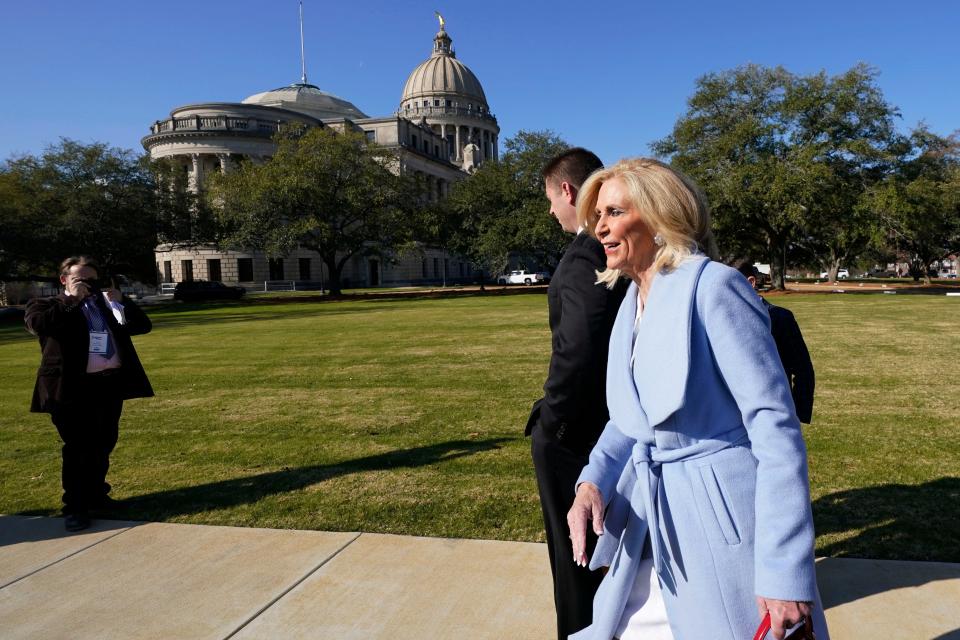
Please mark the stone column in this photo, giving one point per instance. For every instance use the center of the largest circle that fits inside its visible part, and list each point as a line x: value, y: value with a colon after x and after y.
x: 196, y: 175
x: 459, y: 146
x: 225, y: 164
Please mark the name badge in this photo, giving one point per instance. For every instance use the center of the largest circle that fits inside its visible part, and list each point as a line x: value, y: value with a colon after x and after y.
x: 99, y: 341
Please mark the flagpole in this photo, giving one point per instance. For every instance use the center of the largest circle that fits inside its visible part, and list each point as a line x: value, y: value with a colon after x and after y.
x: 303, y: 58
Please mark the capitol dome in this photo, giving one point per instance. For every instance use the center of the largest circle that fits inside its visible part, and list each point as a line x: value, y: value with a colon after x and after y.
x: 442, y: 75
x: 309, y: 99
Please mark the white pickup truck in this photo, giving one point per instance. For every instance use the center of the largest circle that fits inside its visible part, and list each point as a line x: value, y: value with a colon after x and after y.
x: 523, y: 277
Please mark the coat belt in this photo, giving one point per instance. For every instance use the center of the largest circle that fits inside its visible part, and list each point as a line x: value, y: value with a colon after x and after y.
x: 647, y: 464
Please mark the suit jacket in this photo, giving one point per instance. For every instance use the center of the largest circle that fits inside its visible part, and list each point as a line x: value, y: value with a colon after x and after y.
x: 702, y: 457
x: 64, y: 343
x: 795, y: 358
x: 573, y: 407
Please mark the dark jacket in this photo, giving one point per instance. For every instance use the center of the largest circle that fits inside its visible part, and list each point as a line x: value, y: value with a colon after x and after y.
x: 574, y: 408
x: 794, y: 357
x: 64, y: 343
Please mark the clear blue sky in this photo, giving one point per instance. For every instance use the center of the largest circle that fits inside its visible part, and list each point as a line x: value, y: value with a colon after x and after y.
x: 612, y: 76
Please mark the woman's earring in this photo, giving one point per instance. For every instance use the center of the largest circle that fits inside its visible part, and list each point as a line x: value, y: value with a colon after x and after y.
x: 658, y: 240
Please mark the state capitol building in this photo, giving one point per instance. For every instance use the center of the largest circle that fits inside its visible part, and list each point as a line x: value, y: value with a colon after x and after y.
x: 443, y: 129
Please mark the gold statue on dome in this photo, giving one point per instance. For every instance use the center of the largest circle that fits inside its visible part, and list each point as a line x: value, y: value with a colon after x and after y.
x: 443, y: 22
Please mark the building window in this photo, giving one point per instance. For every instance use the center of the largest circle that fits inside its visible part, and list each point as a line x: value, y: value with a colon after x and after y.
x: 413, y: 141
x: 436, y: 103
x: 276, y: 268
x: 213, y: 270
x: 423, y: 266
x: 371, y: 136
x: 446, y: 267
x: 167, y: 271
x: 436, y: 150
x: 461, y: 269
x: 436, y: 267
x: 245, y: 269
x: 448, y: 103
x: 304, y: 268
x: 186, y: 270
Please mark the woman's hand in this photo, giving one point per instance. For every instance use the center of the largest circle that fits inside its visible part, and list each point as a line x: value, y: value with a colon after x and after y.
x: 588, y: 505
x: 783, y: 614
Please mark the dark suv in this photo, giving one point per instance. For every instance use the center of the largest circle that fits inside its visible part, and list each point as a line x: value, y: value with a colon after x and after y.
x: 202, y: 290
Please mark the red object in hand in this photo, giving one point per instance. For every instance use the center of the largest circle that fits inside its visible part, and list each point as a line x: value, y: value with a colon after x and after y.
x: 802, y: 632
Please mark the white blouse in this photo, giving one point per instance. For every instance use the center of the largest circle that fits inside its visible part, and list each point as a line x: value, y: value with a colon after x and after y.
x: 645, y: 616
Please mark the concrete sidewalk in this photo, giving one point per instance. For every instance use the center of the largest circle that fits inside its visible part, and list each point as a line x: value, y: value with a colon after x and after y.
x: 155, y: 580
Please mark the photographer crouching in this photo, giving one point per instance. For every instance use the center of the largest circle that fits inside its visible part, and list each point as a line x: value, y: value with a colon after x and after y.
x: 88, y: 368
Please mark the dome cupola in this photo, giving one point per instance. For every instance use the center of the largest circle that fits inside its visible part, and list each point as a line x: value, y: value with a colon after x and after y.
x: 444, y: 95
x: 309, y: 99
x: 443, y: 76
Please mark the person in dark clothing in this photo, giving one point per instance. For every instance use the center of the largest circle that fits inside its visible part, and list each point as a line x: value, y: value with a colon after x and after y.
x: 566, y: 422
x: 88, y: 368
x: 791, y: 347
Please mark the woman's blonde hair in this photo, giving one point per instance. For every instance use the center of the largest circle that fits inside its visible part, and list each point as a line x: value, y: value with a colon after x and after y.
x: 669, y: 203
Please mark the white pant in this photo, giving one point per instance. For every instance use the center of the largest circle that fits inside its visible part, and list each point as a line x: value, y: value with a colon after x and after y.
x: 645, y: 616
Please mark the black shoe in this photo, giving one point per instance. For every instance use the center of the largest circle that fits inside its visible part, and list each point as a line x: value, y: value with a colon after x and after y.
x: 76, y: 521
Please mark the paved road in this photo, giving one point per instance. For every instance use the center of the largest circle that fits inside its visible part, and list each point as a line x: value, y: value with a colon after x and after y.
x: 155, y: 580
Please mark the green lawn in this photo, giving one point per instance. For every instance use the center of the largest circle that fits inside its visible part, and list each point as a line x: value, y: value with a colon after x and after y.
x: 406, y: 416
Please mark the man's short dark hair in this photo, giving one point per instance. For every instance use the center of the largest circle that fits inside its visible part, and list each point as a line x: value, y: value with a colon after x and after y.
x: 83, y: 261
x: 573, y: 166
x: 745, y: 266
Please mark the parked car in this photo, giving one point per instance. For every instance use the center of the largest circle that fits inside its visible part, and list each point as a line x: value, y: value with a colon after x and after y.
x: 203, y: 290
x: 523, y: 277
x: 842, y: 274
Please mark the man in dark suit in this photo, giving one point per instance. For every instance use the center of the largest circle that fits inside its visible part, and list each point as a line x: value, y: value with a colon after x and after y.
x: 88, y: 367
x: 567, y: 421
x: 791, y: 347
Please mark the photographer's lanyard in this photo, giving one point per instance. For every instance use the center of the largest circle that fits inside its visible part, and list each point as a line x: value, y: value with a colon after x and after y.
x: 101, y: 342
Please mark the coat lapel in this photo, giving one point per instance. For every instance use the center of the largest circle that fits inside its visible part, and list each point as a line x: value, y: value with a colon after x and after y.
x: 622, y: 400
x: 662, y: 356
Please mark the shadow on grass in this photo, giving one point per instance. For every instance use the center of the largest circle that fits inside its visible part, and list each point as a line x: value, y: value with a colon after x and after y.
x: 888, y: 522
x: 228, y: 493
x: 893, y: 521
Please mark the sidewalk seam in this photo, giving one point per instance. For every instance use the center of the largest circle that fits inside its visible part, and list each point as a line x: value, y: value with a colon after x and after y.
x: 290, y: 588
x: 70, y: 555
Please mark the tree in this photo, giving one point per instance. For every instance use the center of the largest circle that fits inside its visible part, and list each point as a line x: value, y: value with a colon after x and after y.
x: 849, y: 129
x: 183, y: 215
x: 784, y: 159
x: 19, y: 239
x: 501, y: 208
x: 334, y: 193
x: 78, y: 198
x: 919, y: 203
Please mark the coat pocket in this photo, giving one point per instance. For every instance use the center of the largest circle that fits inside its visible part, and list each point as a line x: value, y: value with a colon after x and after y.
x: 719, y: 505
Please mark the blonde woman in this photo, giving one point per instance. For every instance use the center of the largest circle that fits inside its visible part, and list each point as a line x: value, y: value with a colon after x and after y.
x: 698, y: 485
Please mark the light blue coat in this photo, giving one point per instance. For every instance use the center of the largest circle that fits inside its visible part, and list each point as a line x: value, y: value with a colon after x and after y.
x: 704, y: 453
